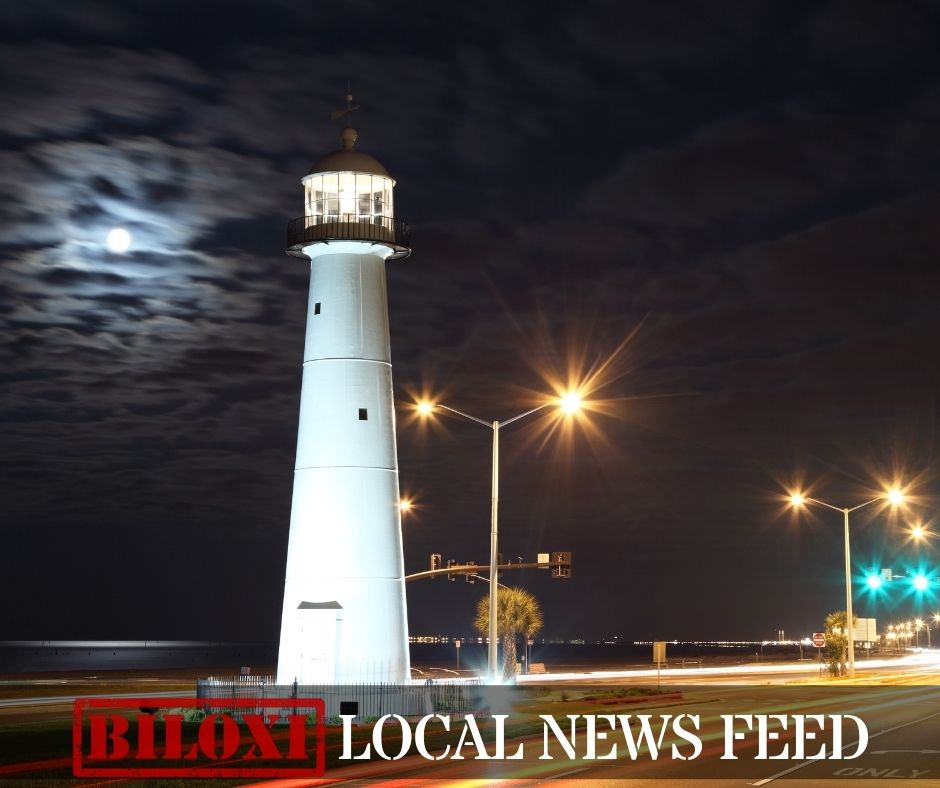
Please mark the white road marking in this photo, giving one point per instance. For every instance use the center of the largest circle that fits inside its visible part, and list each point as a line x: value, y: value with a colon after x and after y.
x: 918, y: 752
x: 850, y: 744
x: 562, y: 774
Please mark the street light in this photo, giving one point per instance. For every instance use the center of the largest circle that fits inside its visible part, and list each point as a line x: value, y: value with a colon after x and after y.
x: 569, y: 403
x: 894, y: 496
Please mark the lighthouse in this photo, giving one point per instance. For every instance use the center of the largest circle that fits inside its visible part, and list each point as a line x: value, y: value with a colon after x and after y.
x: 344, y: 618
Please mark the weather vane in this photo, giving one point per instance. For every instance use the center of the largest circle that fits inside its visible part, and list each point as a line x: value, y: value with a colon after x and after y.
x: 350, y: 107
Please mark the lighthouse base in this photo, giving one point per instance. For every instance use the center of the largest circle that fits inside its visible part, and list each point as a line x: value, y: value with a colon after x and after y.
x: 336, y: 631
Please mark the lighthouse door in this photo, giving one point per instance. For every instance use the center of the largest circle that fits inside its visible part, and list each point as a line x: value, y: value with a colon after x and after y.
x: 319, y: 635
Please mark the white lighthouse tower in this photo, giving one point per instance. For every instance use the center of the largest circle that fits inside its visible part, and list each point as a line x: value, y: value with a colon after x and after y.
x: 344, y: 615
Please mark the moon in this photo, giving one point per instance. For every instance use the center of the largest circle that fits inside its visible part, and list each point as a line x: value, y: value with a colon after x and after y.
x: 119, y: 240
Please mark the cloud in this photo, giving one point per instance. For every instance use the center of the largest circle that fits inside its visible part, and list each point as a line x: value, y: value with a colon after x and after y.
x: 54, y: 90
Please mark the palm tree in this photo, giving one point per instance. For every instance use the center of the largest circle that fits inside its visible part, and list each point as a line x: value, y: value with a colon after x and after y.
x: 837, y: 641
x: 517, y: 613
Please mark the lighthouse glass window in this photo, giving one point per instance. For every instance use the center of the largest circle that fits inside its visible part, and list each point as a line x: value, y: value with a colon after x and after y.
x: 348, y: 197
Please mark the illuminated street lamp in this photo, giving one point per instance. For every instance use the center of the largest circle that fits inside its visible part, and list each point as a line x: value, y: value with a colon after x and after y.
x: 569, y: 403
x: 894, y: 496
x: 921, y: 624
x: 405, y: 505
x: 890, y: 637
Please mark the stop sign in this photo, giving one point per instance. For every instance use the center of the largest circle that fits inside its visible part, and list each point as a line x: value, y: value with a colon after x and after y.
x: 819, y: 639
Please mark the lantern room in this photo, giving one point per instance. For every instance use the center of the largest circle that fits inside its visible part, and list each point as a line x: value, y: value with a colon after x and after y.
x: 348, y: 196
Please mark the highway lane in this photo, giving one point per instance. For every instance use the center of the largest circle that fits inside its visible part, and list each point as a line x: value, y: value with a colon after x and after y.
x: 59, y: 700
x: 903, y: 724
x: 925, y: 661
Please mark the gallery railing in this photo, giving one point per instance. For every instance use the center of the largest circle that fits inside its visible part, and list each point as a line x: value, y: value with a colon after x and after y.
x: 318, y: 228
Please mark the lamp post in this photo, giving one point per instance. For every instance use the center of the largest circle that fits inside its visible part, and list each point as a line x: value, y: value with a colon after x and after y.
x: 895, y: 497
x: 570, y: 403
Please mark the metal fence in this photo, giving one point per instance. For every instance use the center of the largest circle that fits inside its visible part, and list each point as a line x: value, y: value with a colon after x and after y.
x: 364, y: 701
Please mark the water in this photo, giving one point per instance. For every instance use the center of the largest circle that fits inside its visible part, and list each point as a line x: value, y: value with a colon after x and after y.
x: 52, y: 656
x: 563, y: 657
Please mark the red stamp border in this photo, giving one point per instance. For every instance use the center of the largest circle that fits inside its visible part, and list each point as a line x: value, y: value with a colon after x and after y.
x: 80, y: 770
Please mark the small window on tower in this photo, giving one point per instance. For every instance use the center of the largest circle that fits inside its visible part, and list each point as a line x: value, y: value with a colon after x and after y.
x: 316, y: 308
x: 363, y: 414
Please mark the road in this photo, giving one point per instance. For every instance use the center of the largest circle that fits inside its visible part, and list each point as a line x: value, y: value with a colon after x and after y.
x: 899, y: 702
x: 870, y: 670
x: 68, y: 700
x: 903, y: 726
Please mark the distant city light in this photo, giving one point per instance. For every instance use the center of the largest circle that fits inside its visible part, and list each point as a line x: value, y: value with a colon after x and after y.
x: 895, y: 496
x: 918, y: 532
x: 119, y: 240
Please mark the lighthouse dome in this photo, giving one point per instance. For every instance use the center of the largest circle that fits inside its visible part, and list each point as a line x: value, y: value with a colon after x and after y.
x: 348, y: 159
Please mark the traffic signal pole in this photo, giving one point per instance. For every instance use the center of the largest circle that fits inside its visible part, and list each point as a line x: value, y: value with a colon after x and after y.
x: 472, y: 569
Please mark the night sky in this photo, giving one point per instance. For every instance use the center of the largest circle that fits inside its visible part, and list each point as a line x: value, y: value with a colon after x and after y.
x: 725, y: 215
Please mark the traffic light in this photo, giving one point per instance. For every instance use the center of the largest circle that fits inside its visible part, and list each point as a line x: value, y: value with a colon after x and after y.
x: 435, y: 563
x: 450, y: 562
x: 561, y: 565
